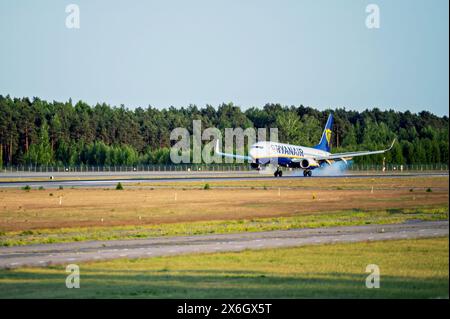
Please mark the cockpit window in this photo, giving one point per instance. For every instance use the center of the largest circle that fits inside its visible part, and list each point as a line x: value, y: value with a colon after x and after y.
x: 257, y: 146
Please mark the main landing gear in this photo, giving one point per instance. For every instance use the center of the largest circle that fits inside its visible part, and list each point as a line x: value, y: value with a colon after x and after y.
x: 278, y: 172
x: 307, y: 173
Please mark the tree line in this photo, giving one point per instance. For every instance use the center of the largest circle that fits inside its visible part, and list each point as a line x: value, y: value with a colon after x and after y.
x: 37, y: 132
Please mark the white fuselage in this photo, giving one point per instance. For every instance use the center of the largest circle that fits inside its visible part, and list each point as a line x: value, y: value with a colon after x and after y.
x: 283, y: 154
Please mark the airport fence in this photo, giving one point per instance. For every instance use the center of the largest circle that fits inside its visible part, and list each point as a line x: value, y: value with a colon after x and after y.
x: 207, y: 168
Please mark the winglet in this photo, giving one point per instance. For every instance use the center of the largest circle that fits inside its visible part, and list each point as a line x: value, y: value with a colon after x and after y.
x: 393, y: 142
x: 216, y: 149
x: 218, y: 152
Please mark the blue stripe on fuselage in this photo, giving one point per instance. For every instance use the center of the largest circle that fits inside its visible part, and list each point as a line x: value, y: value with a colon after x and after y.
x: 282, y: 161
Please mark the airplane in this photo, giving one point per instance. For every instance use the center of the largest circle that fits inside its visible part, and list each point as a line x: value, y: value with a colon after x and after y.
x: 299, y: 157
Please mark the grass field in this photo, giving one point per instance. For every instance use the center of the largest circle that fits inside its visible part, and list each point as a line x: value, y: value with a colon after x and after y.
x: 408, y: 268
x: 352, y: 183
x: 36, y: 216
x: 38, y: 209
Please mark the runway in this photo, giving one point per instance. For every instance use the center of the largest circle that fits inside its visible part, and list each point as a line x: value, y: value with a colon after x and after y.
x: 105, y: 180
x: 76, y: 252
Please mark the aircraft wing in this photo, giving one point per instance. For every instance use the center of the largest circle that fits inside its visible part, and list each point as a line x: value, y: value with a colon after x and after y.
x: 243, y: 157
x: 348, y: 155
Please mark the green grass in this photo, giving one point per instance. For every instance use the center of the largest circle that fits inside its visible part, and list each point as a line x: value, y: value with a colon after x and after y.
x: 119, y: 186
x: 408, y: 268
x: 343, y: 218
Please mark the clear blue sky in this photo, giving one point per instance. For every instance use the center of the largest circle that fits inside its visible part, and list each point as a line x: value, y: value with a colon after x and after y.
x: 316, y: 53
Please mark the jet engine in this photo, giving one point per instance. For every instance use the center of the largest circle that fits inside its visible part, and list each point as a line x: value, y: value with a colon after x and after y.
x: 308, y: 163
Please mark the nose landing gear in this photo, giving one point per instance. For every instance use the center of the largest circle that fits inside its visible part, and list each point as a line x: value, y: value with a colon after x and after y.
x: 307, y: 173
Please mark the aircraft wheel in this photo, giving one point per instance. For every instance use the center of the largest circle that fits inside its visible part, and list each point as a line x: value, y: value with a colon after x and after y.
x: 280, y: 173
x: 309, y: 173
x: 305, y: 173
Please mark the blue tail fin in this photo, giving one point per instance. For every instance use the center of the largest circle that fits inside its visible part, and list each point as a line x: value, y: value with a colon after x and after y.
x: 324, y: 144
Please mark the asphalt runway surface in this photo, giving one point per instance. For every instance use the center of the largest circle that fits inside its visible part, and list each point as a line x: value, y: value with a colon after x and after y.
x: 72, y: 253
x: 161, y: 177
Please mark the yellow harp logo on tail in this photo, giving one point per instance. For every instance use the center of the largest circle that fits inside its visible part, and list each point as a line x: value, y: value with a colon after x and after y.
x: 328, y: 135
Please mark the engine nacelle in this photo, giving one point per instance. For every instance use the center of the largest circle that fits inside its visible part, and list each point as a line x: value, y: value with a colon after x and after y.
x: 308, y: 163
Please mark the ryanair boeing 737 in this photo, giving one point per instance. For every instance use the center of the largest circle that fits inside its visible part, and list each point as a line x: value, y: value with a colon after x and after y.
x: 301, y: 157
